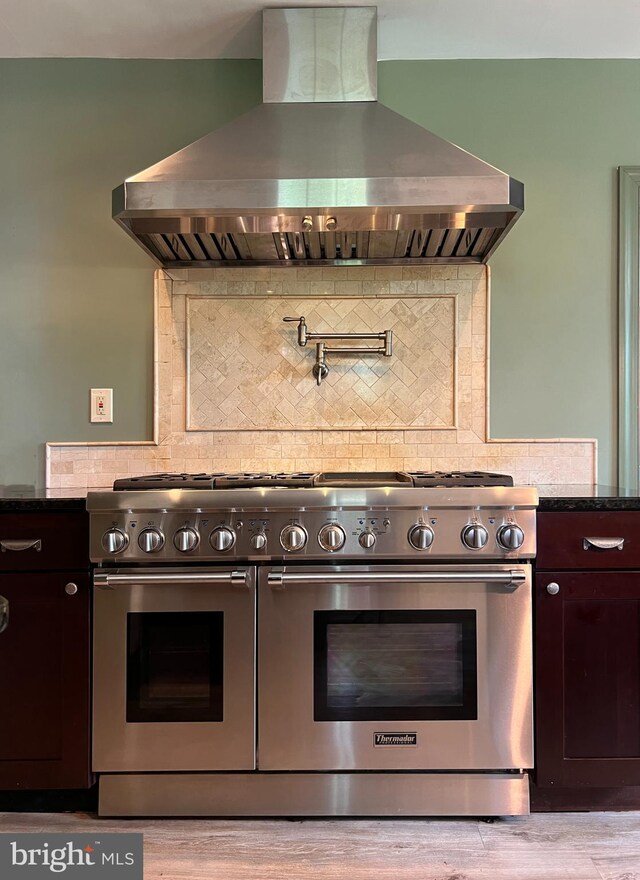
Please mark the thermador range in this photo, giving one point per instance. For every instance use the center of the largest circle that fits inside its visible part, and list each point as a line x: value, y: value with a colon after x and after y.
x: 313, y: 645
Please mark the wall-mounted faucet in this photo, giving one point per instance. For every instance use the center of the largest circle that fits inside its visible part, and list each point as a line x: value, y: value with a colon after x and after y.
x: 321, y: 368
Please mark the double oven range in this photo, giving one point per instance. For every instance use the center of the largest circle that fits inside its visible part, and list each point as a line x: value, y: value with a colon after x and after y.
x: 313, y: 645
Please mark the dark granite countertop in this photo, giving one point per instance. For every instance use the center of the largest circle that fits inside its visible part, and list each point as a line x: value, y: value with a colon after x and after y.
x: 587, y: 497
x: 24, y: 498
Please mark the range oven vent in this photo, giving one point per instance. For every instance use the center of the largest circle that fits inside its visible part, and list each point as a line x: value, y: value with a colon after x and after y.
x: 320, y: 171
x: 308, y: 248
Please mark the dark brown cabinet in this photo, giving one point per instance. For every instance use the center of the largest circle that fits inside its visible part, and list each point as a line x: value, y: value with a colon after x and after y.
x: 587, y: 638
x: 45, y: 651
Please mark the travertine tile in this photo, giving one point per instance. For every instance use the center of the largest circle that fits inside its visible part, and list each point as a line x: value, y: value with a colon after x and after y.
x: 416, y: 273
x: 362, y: 420
x: 348, y: 288
x: 361, y: 273
x: 402, y: 288
x: 470, y: 271
x: 291, y: 287
x: 259, y: 274
x: 387, y: 273
x: 313, y: 273
x: 321, y: 288
x: 446, y: 273
x: 375, y: 288
x: 74, y: 453
x: 247, y: 370
x: 457, y: 287
x: 335, y: 273
x: 281, y: 274
x: 64, y: 467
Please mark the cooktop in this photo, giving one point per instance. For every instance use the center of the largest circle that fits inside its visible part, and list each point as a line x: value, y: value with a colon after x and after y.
x: 421, y: 479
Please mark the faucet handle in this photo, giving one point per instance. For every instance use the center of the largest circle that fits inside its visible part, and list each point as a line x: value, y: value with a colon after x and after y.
x: 302, y: 328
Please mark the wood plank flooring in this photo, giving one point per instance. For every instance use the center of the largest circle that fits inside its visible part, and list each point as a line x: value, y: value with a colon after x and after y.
x: 544, y: 846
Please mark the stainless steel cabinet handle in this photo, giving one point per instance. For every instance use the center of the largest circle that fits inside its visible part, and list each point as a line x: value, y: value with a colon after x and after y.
x: 602, y: 543
x: 553, y: 589
x: 108, y: 580
x: 511, y: 579
x: 4, y: 613
x: 24, y: 544
x: 71, y: 589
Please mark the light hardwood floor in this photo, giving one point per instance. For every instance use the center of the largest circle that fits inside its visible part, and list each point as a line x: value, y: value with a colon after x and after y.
x: 550, y: 846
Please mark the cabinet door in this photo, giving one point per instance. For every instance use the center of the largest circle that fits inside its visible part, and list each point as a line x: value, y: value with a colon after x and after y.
x: 44, y: 681
x: 588, y: 679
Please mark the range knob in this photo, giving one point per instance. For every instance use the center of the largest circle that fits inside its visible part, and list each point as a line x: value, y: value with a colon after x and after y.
x: 510, y: 536
x: 421, y: 537
x: 474, y: 536
x: 151, y: 540
x: 331, y: 537
x: 222, y: 539
x: 258, y: 541
x: 367, y: 540
x: 114, y: 541
x: 186, y: 539
x: 293, y: 538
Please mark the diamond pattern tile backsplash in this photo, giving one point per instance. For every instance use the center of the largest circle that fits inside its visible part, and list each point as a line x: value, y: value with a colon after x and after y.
x: 246, y: 370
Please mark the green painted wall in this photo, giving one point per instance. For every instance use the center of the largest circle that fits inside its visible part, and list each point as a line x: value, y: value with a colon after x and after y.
x: 562, y: 127
x: 76, y: 294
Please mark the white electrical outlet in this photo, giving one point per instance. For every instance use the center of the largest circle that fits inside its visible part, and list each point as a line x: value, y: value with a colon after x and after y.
x: 102, y: 404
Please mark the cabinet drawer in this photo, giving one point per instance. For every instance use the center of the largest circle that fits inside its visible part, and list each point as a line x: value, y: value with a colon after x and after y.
x: 48, y: 540
x: 588, y: 539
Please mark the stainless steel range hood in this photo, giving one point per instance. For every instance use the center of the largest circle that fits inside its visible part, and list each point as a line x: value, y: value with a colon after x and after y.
x: 320, y: 172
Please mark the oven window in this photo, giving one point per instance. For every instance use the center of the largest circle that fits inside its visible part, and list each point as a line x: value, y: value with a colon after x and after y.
x: 395, y: 665
x: 175, y: 666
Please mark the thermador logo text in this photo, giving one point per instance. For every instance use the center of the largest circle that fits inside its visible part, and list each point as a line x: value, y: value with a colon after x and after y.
x: 395, y: 739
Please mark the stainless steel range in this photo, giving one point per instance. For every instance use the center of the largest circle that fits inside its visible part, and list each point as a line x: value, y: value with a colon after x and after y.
x: 313, y: 645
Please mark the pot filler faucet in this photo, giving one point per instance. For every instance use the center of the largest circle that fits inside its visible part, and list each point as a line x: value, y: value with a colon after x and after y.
x: 321, y: 368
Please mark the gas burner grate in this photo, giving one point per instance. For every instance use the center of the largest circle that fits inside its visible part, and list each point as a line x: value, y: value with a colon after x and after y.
x: 421, y: 479
x: 451, y: 479
x: 212, y: 481
x: 248, y: 481
x: 167, y: 481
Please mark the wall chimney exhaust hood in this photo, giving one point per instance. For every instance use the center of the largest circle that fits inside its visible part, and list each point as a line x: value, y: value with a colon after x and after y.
x: 320, y: 173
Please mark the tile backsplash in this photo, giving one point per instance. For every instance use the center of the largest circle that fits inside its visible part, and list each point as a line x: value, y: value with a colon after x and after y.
x: 234, y: 391
x: 245, y: 369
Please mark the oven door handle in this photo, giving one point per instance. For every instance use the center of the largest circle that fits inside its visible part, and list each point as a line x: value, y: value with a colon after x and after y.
x: 511, y: 578
x: 106, y: 580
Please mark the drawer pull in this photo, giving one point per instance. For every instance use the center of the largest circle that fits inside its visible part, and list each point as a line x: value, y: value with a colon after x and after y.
x: 26, y: 544
x: 553, y: 589
x: 602, y: 543
x: 4, y: 613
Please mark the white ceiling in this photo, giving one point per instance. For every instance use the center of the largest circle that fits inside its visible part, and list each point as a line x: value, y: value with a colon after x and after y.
x: 407, y: 28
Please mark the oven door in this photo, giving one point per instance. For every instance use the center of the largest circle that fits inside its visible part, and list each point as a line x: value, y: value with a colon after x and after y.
x: 389, y: 668
x: 173, y: 669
